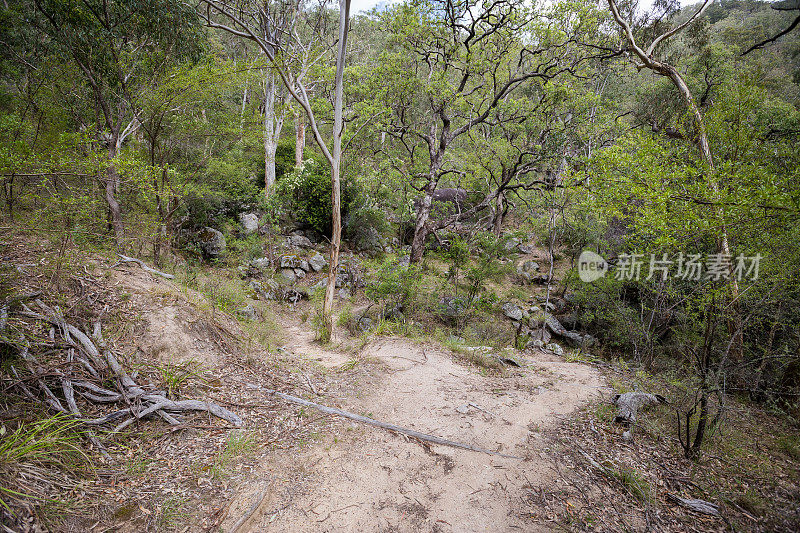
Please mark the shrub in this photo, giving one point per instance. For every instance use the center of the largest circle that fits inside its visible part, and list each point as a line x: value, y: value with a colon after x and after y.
x: 393, y: 285
x: 305, y: 195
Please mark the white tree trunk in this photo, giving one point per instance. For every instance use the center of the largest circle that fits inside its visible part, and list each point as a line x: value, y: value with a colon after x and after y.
x: 273, y: 123
x: 300, y: 137
x: 338, y: 130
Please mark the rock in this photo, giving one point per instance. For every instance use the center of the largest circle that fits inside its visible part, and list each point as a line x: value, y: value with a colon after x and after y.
x: 262, y: 264
x: 268, y: 290
x: 321, y: 284
x: 537, y: 343
x: 314, y: 236
x: 288, y: 275
x: 511, y: 244
x: 300, y: 241
x: 344, y: 294
x: 404, y: 260
x: 525, y: 248
x: 462, y: 409
x: 512, y: 311
x: 289, y: 261
x: 212, y: 242
x: 536, y: 319
x: 365, y: 324
x: 304, y: 266
x: 317, y: 262
x: 249, y: 222
x: 554, y: 325
x: 300, y: 273
x: 579, y: 340
x: 541, y: 335
x: 555, y: 348
x: 249, y: 312
x: 368, y: 240
x: 451, y: 307
x: 528, y: 268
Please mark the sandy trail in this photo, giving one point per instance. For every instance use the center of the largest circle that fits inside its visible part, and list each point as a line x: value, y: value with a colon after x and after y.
x: 371, y: 480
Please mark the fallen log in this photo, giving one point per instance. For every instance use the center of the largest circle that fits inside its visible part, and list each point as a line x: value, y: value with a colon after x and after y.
x: 126, y: 259
x: 698, y: 506
x: 391, y: 427
x: 628, y: 405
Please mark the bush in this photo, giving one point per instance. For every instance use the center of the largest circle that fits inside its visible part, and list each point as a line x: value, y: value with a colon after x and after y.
x: 394, y: 285
x: 305, y: 195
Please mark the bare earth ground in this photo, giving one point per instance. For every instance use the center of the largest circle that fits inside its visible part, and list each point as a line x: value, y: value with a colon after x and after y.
x: 371, y: 480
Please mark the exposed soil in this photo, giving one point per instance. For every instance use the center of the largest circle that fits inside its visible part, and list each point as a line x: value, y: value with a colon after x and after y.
x: 366, y: 479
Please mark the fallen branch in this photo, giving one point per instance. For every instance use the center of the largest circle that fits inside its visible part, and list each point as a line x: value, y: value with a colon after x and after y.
x: 253, y: 508
x: 126, y: 259
x: 141, y: 401
x: 698, y: 506
x: 391, y: 427
x: 628, y: 405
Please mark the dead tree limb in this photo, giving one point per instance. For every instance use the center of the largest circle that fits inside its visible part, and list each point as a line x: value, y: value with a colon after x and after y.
x: 391, y: 427
x: 126, y: 259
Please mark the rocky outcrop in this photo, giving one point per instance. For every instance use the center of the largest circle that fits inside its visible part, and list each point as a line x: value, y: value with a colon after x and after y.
x: 249, y: 223
x: 211, y: 242
x: 534, y: 324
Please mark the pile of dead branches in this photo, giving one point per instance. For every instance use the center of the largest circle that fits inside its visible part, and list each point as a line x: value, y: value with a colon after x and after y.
x: 71, y: 365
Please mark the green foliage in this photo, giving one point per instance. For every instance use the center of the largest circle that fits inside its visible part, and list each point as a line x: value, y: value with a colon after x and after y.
x: 392, y: 285
x: 53, y: 442
x: 305, y: 195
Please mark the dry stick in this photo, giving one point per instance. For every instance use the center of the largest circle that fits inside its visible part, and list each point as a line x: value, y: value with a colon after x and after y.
x: 126, y: 259
x: 384, y: 425
x: 253, y: 508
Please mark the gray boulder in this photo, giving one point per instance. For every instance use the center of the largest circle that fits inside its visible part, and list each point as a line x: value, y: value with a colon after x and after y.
x: 525, y: 248
x: 528, y: 269
x: 303, y: 265
x: 211, y: 242
x: 249, y: 222
x: 343, y: 293
x: 511, y: 244
x: 300, y: 273
x: 249, y: 312
x: 266, y: 290
x: 288, y: 275
x: 365, y: 324
x: 451, y: 307
x: 512, y: 311
x: 262, y: 264
x: 555, y: 348
x: 300, y: 241
x: 317, y: 262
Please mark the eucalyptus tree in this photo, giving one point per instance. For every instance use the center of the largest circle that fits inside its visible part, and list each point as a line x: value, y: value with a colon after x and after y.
x: 119, y: 47
x: 456, y: 67
x: 261, y: 23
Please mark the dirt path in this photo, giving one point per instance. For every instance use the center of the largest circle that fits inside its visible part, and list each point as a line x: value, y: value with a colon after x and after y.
x: 370, y: 480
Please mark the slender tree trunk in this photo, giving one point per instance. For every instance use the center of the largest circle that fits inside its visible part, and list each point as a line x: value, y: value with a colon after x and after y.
x: 338, y: 130
x: 111, y: 188
x: 270, y: 141
x: 300, y: 137
x: 421, y: 230
x: 500, y: 214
